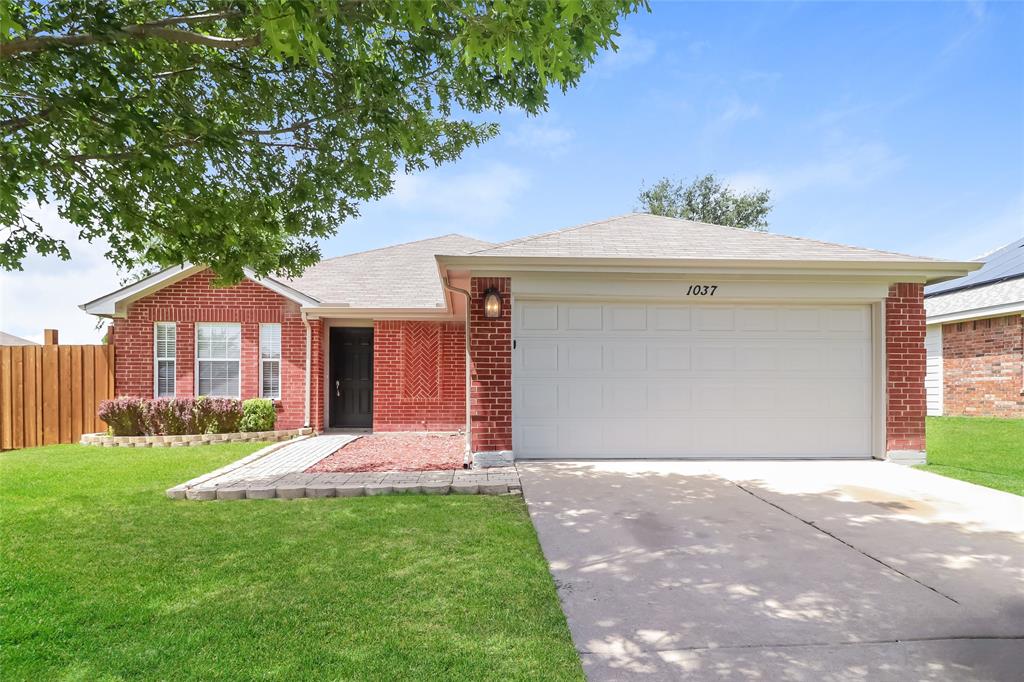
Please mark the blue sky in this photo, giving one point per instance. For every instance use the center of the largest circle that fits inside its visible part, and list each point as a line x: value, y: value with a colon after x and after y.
x: 893, y: 126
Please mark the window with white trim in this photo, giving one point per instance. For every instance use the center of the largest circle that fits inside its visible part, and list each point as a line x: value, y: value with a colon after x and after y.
x: 218, y: 359
x: 270, y: 361
x: 164, y: 359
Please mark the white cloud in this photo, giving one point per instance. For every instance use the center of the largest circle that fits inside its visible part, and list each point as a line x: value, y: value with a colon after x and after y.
x: 47, y: 292
x: 541, y: 134
x: 841, y: 165
x: 634, y: 50
x: 479, y: 197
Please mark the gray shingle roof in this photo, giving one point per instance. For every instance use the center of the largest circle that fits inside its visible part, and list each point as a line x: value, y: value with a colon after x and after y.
x: 402, y: 276
x: 12, y: 340
x: 641, y: 235
x: 1002, y: 264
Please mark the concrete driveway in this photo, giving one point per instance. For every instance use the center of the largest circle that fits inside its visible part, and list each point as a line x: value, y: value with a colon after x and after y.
x: 782, y: 570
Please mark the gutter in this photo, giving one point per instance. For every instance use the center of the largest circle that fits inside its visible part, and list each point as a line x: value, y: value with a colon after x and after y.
x: 309, y: 368
x: 467, y: 458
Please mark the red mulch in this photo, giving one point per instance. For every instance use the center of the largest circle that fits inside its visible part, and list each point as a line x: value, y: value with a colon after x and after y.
x: 395, y: 452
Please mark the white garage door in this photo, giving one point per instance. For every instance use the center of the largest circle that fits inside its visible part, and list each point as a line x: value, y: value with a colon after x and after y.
x: 635, y: 380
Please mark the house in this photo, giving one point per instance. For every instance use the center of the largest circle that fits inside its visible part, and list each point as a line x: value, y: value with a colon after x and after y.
x: 636, y: 336
x: 975, y: 339
x: 12, y: 340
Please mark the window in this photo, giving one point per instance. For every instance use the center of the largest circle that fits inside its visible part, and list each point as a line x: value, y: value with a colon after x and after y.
x: 164, y: 352
x: 218, y: 359
x: 270, y: 361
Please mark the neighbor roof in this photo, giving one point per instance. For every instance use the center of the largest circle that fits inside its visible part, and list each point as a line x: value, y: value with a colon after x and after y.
x: 999, y: 266
x: 403, y: 276
x: 12, y: 340
x: 642, y: 235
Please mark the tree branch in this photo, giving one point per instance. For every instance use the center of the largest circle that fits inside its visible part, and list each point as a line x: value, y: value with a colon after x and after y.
x: 154, y: 29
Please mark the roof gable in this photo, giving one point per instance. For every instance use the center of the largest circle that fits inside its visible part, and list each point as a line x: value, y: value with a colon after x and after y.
x: 642, y: 235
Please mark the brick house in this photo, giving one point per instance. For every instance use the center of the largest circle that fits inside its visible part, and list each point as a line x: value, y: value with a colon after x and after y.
x: 975, y: 339
x: 636, y: 336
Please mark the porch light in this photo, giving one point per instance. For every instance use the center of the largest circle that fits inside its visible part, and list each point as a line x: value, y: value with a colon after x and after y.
x: 492, y: 303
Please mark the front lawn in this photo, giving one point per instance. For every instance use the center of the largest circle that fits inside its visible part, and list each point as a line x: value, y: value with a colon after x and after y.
x: 980, y: 450
x: 102, y: 577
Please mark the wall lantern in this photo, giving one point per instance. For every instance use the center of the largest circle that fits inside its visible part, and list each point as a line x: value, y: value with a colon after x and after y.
x: 492, y: 303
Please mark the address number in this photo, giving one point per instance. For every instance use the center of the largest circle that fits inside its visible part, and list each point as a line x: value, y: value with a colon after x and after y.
x: 702, y: 290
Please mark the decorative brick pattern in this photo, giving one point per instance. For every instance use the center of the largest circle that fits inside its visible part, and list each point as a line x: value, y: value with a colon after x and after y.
x: 194, y: 299
x: 490, y: 352
x: 983, y: 367
x: 905, y: 367
x: 421, y: 361
x: 419, y: 376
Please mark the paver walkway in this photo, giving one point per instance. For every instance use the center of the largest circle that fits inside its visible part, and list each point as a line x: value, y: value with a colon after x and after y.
x: 277, y: 471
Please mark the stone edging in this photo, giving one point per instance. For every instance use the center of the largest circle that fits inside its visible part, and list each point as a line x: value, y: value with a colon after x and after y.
x: 107, y: 441
x: 298, y: 485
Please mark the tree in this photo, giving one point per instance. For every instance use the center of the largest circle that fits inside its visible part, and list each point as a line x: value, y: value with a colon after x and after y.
x: 236, y: 133
x: 707, y: 200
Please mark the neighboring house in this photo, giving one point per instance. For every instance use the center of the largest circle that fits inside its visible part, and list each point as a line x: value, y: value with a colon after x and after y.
x: 12, y: 340
x: 636, y: 336
x: 975, y: 339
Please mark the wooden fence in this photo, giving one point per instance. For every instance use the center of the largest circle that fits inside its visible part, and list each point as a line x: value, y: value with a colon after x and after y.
x: 49, y: 394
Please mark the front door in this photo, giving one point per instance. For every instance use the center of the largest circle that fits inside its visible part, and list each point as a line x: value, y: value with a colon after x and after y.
x: 351, y: 377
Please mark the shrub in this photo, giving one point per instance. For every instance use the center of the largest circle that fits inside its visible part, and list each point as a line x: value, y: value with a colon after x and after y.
x: 124, y: 416
x: 217, y: 415
x: 170, y: 416
x: 258, y: 414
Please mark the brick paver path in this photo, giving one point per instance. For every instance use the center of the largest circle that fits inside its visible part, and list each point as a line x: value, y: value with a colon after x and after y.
x: 277, y: 471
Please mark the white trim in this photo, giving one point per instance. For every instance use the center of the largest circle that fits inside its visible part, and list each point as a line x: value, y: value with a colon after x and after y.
x: 880, y: 385
x: 157, y: 359
x: 195, y: 357
x: 280, y: 352
x: 978, y: 313
x: 115, y: 304
x: 934, y: 387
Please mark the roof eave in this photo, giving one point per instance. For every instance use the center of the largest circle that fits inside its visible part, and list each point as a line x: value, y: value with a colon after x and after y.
x: 919, y: 271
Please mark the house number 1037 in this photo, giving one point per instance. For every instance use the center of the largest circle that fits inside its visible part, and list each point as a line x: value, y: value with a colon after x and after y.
x: 701, y: 290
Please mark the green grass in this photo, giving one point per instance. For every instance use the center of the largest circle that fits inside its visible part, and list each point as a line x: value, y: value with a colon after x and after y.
x: 103, y: 578
x: 989, y: 452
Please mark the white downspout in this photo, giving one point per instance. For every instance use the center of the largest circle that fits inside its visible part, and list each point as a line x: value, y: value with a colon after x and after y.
x: 467, y: 458
x: 309, y: 368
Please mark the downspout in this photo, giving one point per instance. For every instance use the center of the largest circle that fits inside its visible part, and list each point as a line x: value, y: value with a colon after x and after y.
x: 309, y: 368
x: 467, y: 458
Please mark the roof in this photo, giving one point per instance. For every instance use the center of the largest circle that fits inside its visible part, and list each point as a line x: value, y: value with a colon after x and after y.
x: 642, y: 235
x: 999, y: 266
x: 12, y: 340
x: 993, y: 299
x: 403, y: 276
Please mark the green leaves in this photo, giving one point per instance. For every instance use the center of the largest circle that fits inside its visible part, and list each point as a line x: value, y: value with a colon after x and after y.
x: 240, y: 134
x: 707, y: 200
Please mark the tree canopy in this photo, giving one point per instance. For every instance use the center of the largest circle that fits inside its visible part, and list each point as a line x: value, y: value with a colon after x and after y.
x: 708, y: 200
x: 238, y: 133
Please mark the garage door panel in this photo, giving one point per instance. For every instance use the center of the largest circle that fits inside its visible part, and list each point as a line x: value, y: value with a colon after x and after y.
x: 593, y: 379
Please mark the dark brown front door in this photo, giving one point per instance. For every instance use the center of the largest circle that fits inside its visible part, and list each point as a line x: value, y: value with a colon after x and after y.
x: 351, y: 377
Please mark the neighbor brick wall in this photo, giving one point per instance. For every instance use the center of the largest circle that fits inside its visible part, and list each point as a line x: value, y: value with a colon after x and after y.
x: 490, y: 349
x: 419, y: 376
x: 905, y: 367
x: 193, y: 300
x: 983, y: 363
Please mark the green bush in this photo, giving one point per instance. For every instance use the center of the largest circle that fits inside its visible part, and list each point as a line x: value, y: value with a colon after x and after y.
x: 258, y: 414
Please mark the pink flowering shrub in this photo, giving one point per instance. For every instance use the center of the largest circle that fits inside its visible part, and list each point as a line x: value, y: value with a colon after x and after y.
x: 171, y: 416
x: 124, y: 416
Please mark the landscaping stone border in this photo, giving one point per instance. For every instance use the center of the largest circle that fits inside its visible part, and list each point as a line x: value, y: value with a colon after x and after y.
x: 296, y: 485
x: 104, y: 440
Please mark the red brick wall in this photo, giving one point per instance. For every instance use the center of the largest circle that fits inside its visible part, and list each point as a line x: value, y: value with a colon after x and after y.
x: 491, y: 365
x: 419, y: 376
x: 905, y: 367
x: 983, y: 363
x: 193, y: 300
